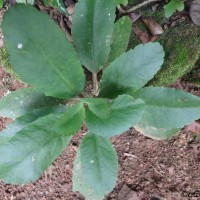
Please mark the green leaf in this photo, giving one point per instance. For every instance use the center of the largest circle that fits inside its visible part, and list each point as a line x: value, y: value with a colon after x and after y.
x: 38, y: 144
x: 99, y: 106
x: 72, y: 119
x: 132, y: 70
x: 154, y: 132
x: 172, y: 6
x: 124, y: 2
x: 32, y: 150
x: 120, y: 38
x: 26, y: 119
x: 19, y: 102
x: 31, y: 2
x: 125, y: 112
x: 51, y: 2
x: 1, y: 3
x: 166, y: 109
x: 58, y: 4
x: 99, y: 163
x: 79, y: 183
x: 40, y: 52
x: 93, y: 23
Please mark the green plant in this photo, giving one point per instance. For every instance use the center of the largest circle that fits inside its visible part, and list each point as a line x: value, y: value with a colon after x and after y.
x: 172, y: 6
x: 1, y: 3
x: 47, y: 115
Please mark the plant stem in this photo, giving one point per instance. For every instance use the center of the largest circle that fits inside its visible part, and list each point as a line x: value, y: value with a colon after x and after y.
x: 132, y: 9
x: 95, y: 84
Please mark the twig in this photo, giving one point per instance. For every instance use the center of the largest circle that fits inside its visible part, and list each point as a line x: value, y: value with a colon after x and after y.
x: 64, y: 28
x: 130, y: 155
x: 95, y: 84
x: 132, y: 9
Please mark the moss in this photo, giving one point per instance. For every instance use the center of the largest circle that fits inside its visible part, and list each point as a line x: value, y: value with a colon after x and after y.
x: 182, y: 50
x: 4, y: 62
x: 194, y: 75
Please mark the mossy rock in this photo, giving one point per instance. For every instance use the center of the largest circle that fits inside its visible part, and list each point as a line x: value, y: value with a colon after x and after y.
x: 194, y: 75
x: 182, y: 50
x: 4, y: 62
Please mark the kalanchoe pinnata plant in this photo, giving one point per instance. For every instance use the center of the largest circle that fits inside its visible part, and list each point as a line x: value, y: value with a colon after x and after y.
x: 53, y: 109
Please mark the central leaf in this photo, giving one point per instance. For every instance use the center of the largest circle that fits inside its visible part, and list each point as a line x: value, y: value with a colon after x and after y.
x: 125, y: 111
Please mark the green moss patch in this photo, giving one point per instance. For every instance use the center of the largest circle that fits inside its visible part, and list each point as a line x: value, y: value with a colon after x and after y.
x: 182, y: 50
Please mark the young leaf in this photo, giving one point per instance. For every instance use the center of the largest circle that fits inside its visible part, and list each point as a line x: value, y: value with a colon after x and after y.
x: 99, y: 106
x: 132, y: 70
x: 125, y: 112
x: 92, y: 28
x: 40, y: 52
x: 32, y: 149
x: 72, y: 119
x: 99, y: 163
x: 172, y: 6
x: 120, y: 38
x: 19, y: 102
x: 79, y: 183
x: 166, y: 109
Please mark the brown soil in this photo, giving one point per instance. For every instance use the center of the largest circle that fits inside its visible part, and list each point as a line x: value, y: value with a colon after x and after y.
x: 148, y: 169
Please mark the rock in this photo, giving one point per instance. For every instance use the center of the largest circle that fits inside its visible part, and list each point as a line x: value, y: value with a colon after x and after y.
x: 182, y: 50
x: 127, y: 194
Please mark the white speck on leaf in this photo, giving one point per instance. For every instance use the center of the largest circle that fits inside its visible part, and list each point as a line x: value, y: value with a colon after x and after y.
x: 108, y: 14
x: 19, y: 45
x: 91, y: 161
x: 33, y: 159
x: 82, y: 15
x: 21, y: 102
x: 6, y: 93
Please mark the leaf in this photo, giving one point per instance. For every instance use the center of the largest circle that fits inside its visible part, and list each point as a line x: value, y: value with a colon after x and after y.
x: 132, y: 70
x: 40, y: 52
x: 72, y: 119
x: 124, y: 2
x: 37, y: 145
x: 19, y: 102
x: 92, y: 28
x: 79, y: 183
x: 125, y: 112
x: 58, y: 4
x: 172, y: 6
x: 154, y: 132
x: 120, y: 38
x: 32, y: 149
x: 1, y: 3
x: 28, y: 118
x: 99, y: 163
x: 99, y: 106
x: 31, y: 2
x: 167, y: 108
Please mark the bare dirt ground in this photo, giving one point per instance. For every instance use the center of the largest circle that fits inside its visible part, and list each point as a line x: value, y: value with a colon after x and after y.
x: 148, y: 169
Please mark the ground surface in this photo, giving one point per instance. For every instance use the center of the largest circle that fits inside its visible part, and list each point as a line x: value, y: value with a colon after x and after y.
x: 148, y: 169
